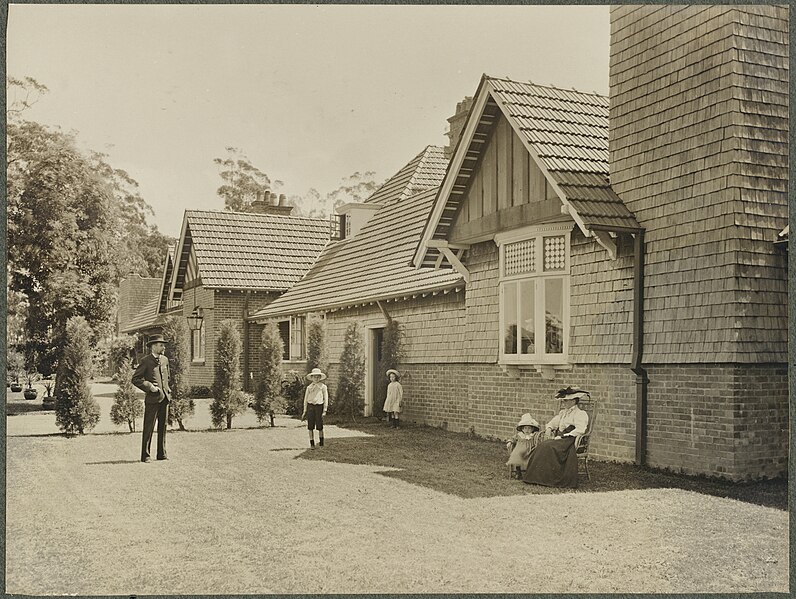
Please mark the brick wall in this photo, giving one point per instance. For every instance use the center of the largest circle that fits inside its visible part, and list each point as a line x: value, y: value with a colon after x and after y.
x: 220, y: 305
x: 703, y: 420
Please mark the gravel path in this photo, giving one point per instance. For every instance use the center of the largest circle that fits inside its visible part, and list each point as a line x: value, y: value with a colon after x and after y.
x: 236, y: 512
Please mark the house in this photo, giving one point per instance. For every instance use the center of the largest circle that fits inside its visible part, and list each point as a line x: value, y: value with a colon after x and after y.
x: 135, y: 293
x: 367, y: 276
x: 149, y: 319
x: 227, y: 265
x: 624, y: 244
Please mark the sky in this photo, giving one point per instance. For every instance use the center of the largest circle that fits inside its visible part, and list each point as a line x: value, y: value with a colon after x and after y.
x: 310, y: 93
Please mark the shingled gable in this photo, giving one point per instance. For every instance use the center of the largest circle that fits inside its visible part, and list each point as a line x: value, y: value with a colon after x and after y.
x: 425, y: 171
x: 566, y: 135
x: 246, y: 251
x: 374, y: 265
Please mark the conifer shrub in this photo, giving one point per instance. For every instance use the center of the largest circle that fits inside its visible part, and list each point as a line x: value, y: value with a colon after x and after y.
x: 76, y: 411
x: 316, y: 344
x: 351, y: 385
x: 178, y: 351
x: 127, y: 404
x: 228, y: 398
x: 293, y: 387
x: 268, y: 396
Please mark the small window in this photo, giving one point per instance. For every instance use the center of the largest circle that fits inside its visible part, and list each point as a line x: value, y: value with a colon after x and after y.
x: 284, y: 333
x: 297, y: 348
x: 198, y: 344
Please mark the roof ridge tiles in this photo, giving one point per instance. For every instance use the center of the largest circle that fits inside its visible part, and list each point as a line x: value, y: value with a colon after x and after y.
x: 539, y: 85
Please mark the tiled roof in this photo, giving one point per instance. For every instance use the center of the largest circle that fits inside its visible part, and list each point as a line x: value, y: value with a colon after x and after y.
x: 568, y: 130
x: 425, y: 171
x: 147, y: 318
x: 251, y: 251
x: 372, y: 265
x: 566, y: 133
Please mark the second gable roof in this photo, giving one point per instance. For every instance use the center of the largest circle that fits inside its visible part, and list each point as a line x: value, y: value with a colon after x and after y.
x: 566, y: 134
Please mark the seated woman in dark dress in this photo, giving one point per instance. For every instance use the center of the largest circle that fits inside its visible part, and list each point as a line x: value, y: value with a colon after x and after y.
x: 554, y: 462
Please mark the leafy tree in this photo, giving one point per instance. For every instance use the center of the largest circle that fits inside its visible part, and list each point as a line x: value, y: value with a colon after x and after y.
x: 392, y: 354
x: 75, y: 226
x: 268, y: 397
x: 120, y: 351
x: 15, y: 365
x: 242, y: 180
x: 351, y: 385
x: 228, y: 398
x: 178, y: 351
x: 127, y: 404
x: 316, y: 345
x: 76, y: 411
x: 354, y: 188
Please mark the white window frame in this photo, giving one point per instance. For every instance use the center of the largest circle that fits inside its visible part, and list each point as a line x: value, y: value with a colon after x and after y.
x: 198, y: 357
x: 293, y: 330
x: 537, y: 234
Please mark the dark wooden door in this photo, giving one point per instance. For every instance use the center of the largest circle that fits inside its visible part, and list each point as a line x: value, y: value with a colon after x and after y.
x: 378, y: 382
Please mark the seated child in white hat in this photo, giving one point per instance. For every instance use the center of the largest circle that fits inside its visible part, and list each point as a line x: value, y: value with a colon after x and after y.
x: 522, y: 444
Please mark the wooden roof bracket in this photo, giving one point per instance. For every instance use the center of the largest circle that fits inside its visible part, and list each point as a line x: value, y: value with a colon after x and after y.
x: 605, y: 240
x: 446, y: 249
x: 383, y: 311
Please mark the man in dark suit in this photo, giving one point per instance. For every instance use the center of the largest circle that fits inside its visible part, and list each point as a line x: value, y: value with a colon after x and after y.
x: 152, y: 377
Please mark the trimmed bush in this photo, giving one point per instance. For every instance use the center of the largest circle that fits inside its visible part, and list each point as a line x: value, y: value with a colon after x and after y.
x: 120, y: 351
x: 178, y: 351
x: 76, y: 411
x: 200, y: 392
x: 228, y: 398
x: 268, y: 396
x: 316, y: 344
x: 293, y: 387
x: 351, y: 386
x: 127, y: 404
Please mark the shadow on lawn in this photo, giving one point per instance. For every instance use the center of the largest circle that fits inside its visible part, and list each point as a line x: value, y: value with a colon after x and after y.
x: 112, y: 462
x: 471, y: 467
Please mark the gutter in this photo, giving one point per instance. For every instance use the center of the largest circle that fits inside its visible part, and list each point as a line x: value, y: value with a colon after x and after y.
x: 638, y: 348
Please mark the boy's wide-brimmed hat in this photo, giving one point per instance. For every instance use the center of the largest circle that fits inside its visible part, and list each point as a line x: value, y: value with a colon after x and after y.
x: 155, y: 339
x: 572, y: 393
x: 393, y: 371
x: 316, y: 372
x: 526, y: 420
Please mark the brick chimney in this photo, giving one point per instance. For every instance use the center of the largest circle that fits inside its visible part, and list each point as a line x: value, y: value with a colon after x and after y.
x: 457, y: 122
x: 271, y: 203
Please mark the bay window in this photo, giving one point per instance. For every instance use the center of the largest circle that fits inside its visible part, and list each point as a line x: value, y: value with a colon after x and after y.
x: 534, y: 295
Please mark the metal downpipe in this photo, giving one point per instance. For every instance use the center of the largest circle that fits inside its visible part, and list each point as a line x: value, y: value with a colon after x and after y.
x: 638, y: 349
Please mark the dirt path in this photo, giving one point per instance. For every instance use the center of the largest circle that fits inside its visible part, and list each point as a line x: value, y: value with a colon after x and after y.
x: 235, y: 512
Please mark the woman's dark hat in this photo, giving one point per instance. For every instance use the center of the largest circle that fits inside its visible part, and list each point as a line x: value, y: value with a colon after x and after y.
x: 572, y: 393
x: 155, y: 339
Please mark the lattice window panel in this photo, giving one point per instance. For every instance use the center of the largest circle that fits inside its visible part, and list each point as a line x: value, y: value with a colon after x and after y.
x: 555, y: 253
x: 519, y: 257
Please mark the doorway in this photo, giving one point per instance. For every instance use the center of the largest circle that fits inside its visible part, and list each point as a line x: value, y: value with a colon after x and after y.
x: 375, y: 369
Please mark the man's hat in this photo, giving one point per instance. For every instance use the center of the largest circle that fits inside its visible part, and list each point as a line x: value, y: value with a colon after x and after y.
x: 155, y: 339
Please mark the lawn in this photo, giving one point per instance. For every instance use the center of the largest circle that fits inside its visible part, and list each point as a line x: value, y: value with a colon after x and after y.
x: 469, y: 466
x: 417, y: 510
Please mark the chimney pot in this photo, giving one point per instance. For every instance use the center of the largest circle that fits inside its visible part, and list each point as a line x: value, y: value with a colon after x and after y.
x: 267, y: 196
x: 282, y: 199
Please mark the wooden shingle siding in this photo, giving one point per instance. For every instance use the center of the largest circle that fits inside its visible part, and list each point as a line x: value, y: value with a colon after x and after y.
x: 483, y: 299
x: 506, y: 177
x: 433, y: 327
x: 601, y: 302
x: 698, y: 146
